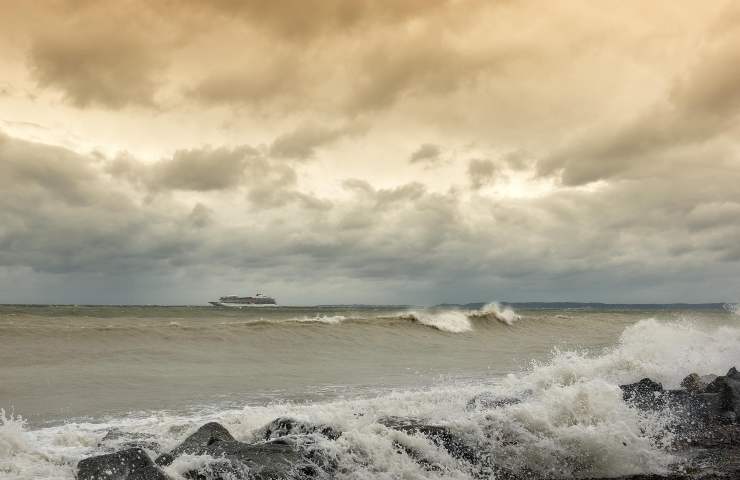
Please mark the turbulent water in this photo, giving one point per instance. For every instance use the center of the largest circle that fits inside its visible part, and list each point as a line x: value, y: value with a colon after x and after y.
x: 68, y: 375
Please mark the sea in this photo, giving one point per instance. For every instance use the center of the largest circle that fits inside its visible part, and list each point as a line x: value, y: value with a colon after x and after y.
x: 69, y: 375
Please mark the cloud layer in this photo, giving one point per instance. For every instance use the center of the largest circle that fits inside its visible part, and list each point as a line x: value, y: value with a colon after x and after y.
x: 392, y: 152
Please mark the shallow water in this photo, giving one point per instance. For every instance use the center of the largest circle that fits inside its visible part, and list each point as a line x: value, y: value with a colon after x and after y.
x: 75, y: 372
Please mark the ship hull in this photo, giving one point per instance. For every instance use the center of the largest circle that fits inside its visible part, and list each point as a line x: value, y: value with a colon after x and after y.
x: 242, y: 305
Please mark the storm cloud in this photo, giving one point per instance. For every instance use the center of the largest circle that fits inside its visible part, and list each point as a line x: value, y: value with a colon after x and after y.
x: 388, y: 152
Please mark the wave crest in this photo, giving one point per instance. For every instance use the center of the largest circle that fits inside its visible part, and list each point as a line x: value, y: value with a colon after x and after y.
x: 494, y: 311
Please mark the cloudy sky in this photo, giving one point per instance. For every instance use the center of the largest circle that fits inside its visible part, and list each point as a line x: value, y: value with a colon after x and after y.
x: 378, y: 151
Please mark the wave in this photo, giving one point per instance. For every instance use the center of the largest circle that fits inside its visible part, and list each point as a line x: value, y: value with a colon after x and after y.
x: 459, y: 321
x: 328, y: 319
x: 570, y: 421
x: 494, y: 311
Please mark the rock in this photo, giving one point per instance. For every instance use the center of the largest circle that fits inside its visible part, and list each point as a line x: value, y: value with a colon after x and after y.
x: 728, y: 387
x: 117, y: 439
x: 645, y: 394
x: 130, y: 464
x: 696, y: 407
x: 693, y: 383
x: 488, y: 401
x: 441, y: 436
x: 206, y: 435
x: 696, y: 384
x: 264, y: 461
x: 282, y: 458
x: 283, y: 426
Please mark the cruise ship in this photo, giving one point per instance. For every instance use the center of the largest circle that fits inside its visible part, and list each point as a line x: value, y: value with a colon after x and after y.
x: 258, y: 300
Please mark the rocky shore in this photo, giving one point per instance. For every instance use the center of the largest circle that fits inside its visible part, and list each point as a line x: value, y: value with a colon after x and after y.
x: 704, y: 427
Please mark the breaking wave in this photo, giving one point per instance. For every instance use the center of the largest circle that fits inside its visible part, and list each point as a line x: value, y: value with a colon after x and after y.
x: 568, y: 419
x: 328, y: 319
x: 458, y: 321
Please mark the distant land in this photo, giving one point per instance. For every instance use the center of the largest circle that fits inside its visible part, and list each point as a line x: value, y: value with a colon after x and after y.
x: 594, y: 305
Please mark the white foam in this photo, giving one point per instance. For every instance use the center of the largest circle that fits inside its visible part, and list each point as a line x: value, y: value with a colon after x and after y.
x: 451, y: 321
x: 495, y: 311
x: 328, y: 319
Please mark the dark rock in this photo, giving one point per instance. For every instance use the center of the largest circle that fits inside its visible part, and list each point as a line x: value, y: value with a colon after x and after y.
x: 705, y: 407
x: 441, y: 436
x: 131, y: 464
x: 263, y: 461
x: 692, y: 383
x: 728, y: 387
x: 395, y: 422
x: 283, y: 426
x: 282, y: 458
x: 117, y: 439
x: 645, y: 394
x: 206, y: 435
x: 488, y: 401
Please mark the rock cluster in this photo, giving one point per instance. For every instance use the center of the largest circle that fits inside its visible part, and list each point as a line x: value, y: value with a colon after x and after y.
x: 707, y: 410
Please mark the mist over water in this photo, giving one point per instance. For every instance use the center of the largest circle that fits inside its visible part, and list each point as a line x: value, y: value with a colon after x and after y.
x: 73, y: 373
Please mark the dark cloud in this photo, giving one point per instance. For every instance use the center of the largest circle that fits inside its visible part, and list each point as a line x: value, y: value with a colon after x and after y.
x: 310, y: 19
x: 481, y: 172
x: 255, y: 85
x: 62, y: 214
x: 302, y: 143
x: 702, y: 106
x: 426, y: 153
x: 97, y: 67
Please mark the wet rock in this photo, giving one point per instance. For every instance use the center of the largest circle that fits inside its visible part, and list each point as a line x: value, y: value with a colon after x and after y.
x: 445, y: 438
x: 117, y: 439
x: 441, y: 436
x: 697, y: 409
x: 206, y: 435
x: 130, y: 464
x: 645, y: 394
x: 282, y: 458
x: 728, y: 387
x: 489, y: 401
x: 264, y: 461
x: 393, y: 421
x: 693, y: 383
x: 283, y: 426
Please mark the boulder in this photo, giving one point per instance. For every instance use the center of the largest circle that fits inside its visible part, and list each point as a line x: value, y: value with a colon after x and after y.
x: 283, y: 426
x: 262, y: 461
x: 281, y: 458
x: 206, y: 435
x: 441, y: 436
x: 728, y: 387
x: 117, y: 439
x: 695, y: 383
x: 130, y: 464
x: 645, y: 394
x: 696, y: 410
x: 445, y: 438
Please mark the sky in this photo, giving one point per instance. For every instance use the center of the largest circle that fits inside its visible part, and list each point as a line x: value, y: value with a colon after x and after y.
x: 369, y: 151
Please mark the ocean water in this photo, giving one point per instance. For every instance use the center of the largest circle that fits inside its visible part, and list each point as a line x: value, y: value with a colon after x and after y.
x: 70, y: 374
